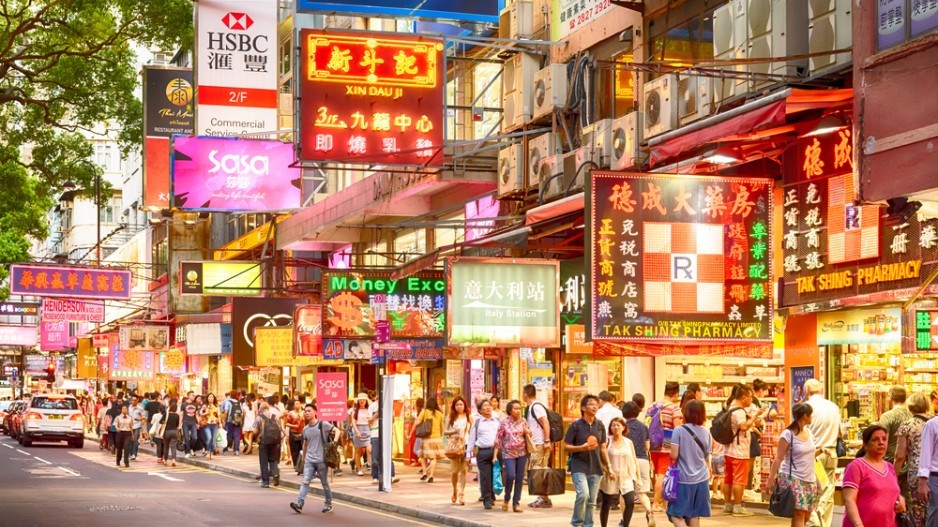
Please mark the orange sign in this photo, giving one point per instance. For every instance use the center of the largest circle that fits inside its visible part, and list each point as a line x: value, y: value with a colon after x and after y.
x: 374, y: 97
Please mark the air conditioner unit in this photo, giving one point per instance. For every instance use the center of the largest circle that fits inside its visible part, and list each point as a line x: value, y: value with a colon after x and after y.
x: 730, y: 43
x: 695, y: 98
x: 829, y: 28
x: 777, y: 28
x: 660, y: 106
x: 550, y: 89
x: 517, y: 20
x: 510, y: 170
x: 550, y: 175
x: 599, y: 137
x: 539, y: 149
x: 517, y: 81
x: 626, y: 138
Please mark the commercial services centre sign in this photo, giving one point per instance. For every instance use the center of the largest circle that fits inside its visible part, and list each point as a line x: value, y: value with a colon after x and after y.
x: 679, y: 258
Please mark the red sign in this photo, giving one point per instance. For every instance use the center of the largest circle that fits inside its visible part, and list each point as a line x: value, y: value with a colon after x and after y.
x: 53, y: 335
x: 99, y: 340
x: 331, y: 396
x: 307, y: 331
x: 156, y: 172
x: 74, y: 282
x: 72, y: 310
x: 371, y: 98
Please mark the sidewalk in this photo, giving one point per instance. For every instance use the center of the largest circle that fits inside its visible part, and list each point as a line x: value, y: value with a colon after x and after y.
x: 431, y: 501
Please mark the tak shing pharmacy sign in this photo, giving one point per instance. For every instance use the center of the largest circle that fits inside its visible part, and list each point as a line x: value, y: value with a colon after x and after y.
x: 679, y: 258
x: 371, y: 98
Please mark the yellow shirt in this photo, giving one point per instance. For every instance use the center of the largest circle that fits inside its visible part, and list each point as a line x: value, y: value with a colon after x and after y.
x: 436, y: 429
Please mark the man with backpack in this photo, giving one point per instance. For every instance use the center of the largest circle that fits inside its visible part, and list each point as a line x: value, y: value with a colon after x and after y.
x: 663, y: 417
x: 233, y: 415
x: 316, y: 435
x: 270, y: 435
x: 540, y: 426
x: 731, y: 428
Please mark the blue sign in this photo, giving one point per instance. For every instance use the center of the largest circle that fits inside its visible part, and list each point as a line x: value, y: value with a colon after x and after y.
x: 799, y: 375
x: 468, y: 10
x: 226, y: 338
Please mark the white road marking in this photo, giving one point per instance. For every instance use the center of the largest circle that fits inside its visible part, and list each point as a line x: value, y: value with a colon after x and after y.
x: 43, y: 460
x: 164, y: 476
x: 8, y: 446
x: 22, y: 452
x: 72, y: 472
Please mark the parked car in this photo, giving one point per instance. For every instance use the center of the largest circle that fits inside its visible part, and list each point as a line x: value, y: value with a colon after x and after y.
x: 11, y: 421
x: 49, y: 417
x: 4, y: 409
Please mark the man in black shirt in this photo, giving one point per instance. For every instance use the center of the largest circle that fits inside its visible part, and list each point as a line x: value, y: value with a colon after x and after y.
x: 585, y: 440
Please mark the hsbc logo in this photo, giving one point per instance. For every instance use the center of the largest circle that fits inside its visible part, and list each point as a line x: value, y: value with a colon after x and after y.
x: 237, y: 21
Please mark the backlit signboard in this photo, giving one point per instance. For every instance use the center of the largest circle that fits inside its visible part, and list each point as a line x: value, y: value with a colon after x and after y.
x: 149, y: 338
x: 234, y: 175
x: 73, y: 282
x: 19, y: 335
x: 173, y: 362
x: 53, y: 335
x: 679, y: 258
x: 132, y: 365
x: 926, y: 330
x: 23, y: 309
x: 72, y: 310
x: 168, y: 109
x: 371, y: 98
x: 236, y: 67
x: 307, y: 330
x: 228, y: 278
x: 504, y: 302
x: 247, y: 314
x: 468, y: 10
x: 416, y: 305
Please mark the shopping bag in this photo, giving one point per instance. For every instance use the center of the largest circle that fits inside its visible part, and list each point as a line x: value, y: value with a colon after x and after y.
x: 546, y: 481
x: 782, y: 502
x: 497, y: 484
x: 221, y: 439
x: 821, y: 474
x: 671, y: 480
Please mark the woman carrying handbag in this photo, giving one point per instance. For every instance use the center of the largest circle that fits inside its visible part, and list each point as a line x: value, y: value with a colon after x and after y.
x: 456, y: 432
x: 794, y: 485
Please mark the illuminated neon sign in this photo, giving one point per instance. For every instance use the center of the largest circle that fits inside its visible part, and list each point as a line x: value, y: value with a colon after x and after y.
x: 371, y: 98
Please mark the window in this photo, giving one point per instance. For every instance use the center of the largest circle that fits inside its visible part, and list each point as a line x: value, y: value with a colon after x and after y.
x: 410, y: 246
x: 54, y: 403
x: 286, y: 55
x: 894, y: 26
x: 160, y: 257
x: 482, y: 75
x: 685, y: 44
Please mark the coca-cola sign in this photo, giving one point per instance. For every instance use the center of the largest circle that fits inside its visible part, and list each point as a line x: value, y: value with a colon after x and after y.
x: 307, y: 330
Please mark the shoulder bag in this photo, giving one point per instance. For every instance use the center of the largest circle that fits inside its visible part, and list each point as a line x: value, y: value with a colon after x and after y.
x: 782, y: 502
x: 425, y: 428
x: 456, y: 444
x: 330, y: 450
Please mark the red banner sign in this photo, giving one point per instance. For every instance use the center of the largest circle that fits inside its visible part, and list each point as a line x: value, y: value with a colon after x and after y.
x: 307, y: 331
x: 373, y: 98
x: 331, y: 396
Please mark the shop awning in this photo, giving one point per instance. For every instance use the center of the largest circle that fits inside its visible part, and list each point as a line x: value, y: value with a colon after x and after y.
x: 555, y: 209
x: 758, y: 350
x: 771, y: 111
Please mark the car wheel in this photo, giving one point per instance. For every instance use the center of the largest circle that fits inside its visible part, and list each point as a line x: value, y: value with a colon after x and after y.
x: 79, y: 444
x: 26, y: 442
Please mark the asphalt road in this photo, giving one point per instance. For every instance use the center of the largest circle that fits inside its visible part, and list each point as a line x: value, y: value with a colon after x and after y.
x: 54, y: 485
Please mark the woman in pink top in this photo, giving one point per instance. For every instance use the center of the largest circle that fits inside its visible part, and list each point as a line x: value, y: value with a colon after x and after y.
x: 510, y: 441
x: 871, y: 490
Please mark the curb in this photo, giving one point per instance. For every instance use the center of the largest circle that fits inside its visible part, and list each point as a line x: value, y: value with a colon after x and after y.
x: 439, y: 519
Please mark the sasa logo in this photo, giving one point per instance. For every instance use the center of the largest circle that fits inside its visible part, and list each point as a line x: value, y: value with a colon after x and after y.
x: 239, y: 164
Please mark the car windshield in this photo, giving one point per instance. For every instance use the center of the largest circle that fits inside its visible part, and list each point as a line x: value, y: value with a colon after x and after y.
x: 48, y: 403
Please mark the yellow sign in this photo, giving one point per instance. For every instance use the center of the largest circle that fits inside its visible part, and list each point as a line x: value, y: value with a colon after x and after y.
x: 870, y: 275
x: 273, y: 346
x: 247, y: 242
x: 87, y: 359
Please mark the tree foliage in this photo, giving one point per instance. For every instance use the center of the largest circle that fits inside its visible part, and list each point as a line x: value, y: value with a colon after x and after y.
x: 67, y: 66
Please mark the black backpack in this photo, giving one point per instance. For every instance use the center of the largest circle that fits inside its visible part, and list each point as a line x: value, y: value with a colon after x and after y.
x: 722, y: 427
x: 235, y: 413
x: 271, y: 435
x: 555, y: 422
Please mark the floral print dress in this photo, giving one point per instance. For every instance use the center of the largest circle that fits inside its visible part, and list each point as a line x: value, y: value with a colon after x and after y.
x: 912, y: 431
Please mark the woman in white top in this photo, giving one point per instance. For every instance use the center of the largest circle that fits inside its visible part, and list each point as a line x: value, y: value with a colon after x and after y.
x: 623, y: 477
x: 247, y: 426
x: 794, y: 465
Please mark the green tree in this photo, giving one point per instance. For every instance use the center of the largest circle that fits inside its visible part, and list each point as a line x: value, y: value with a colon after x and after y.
x: 67, y: 66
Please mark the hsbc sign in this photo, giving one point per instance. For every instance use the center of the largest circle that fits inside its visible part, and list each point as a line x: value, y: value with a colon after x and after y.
x: 236, y: 68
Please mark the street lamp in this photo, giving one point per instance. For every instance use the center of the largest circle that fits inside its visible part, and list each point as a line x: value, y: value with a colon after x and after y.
x: 70, y: 185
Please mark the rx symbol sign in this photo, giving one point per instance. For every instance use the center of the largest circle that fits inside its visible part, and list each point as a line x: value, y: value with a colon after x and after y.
x: 683, y: 267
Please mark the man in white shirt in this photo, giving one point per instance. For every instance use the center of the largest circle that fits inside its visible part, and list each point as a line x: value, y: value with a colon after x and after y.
x: 482, y: 443
x: 928, y: 471
x: 608, y: 411
x: 540, y: 436
x: 825, y: 428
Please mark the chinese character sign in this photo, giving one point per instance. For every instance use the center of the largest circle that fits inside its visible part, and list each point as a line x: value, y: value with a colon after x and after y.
x: 416, y: 305
x: 569, y: 16
x: 331, y: 396
x: 131, y: 365
x: 495, y: 302
x: 74, y: 282
x: 173, y: 362
x: 72, y: 310
x: 18, y: 335
x: 371, y: 98
x: 677, y: 258
x: 234, y: 175
x: 236, y: 55
x: 53, y: 336
x: 469, y: 10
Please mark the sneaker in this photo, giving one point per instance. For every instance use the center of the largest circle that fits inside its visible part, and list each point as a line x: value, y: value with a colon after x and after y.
x: 187, y: 456
x: 236, y: 453
x: 327, y: 508
x: 650, y: 518
x: 360, y: 473
x: 395, y: 479
x: 741, y: 512
x: 374, y: 481
x: 337, y: 472
x: 728, y: 508
x: 277, y: 480
x: 296, y: 507
x: 132, y: 458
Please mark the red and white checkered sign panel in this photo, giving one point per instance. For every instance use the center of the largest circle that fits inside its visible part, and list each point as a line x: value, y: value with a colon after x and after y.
x: 684, y: 268
x: 680, y: 258
x: 852, y: 231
